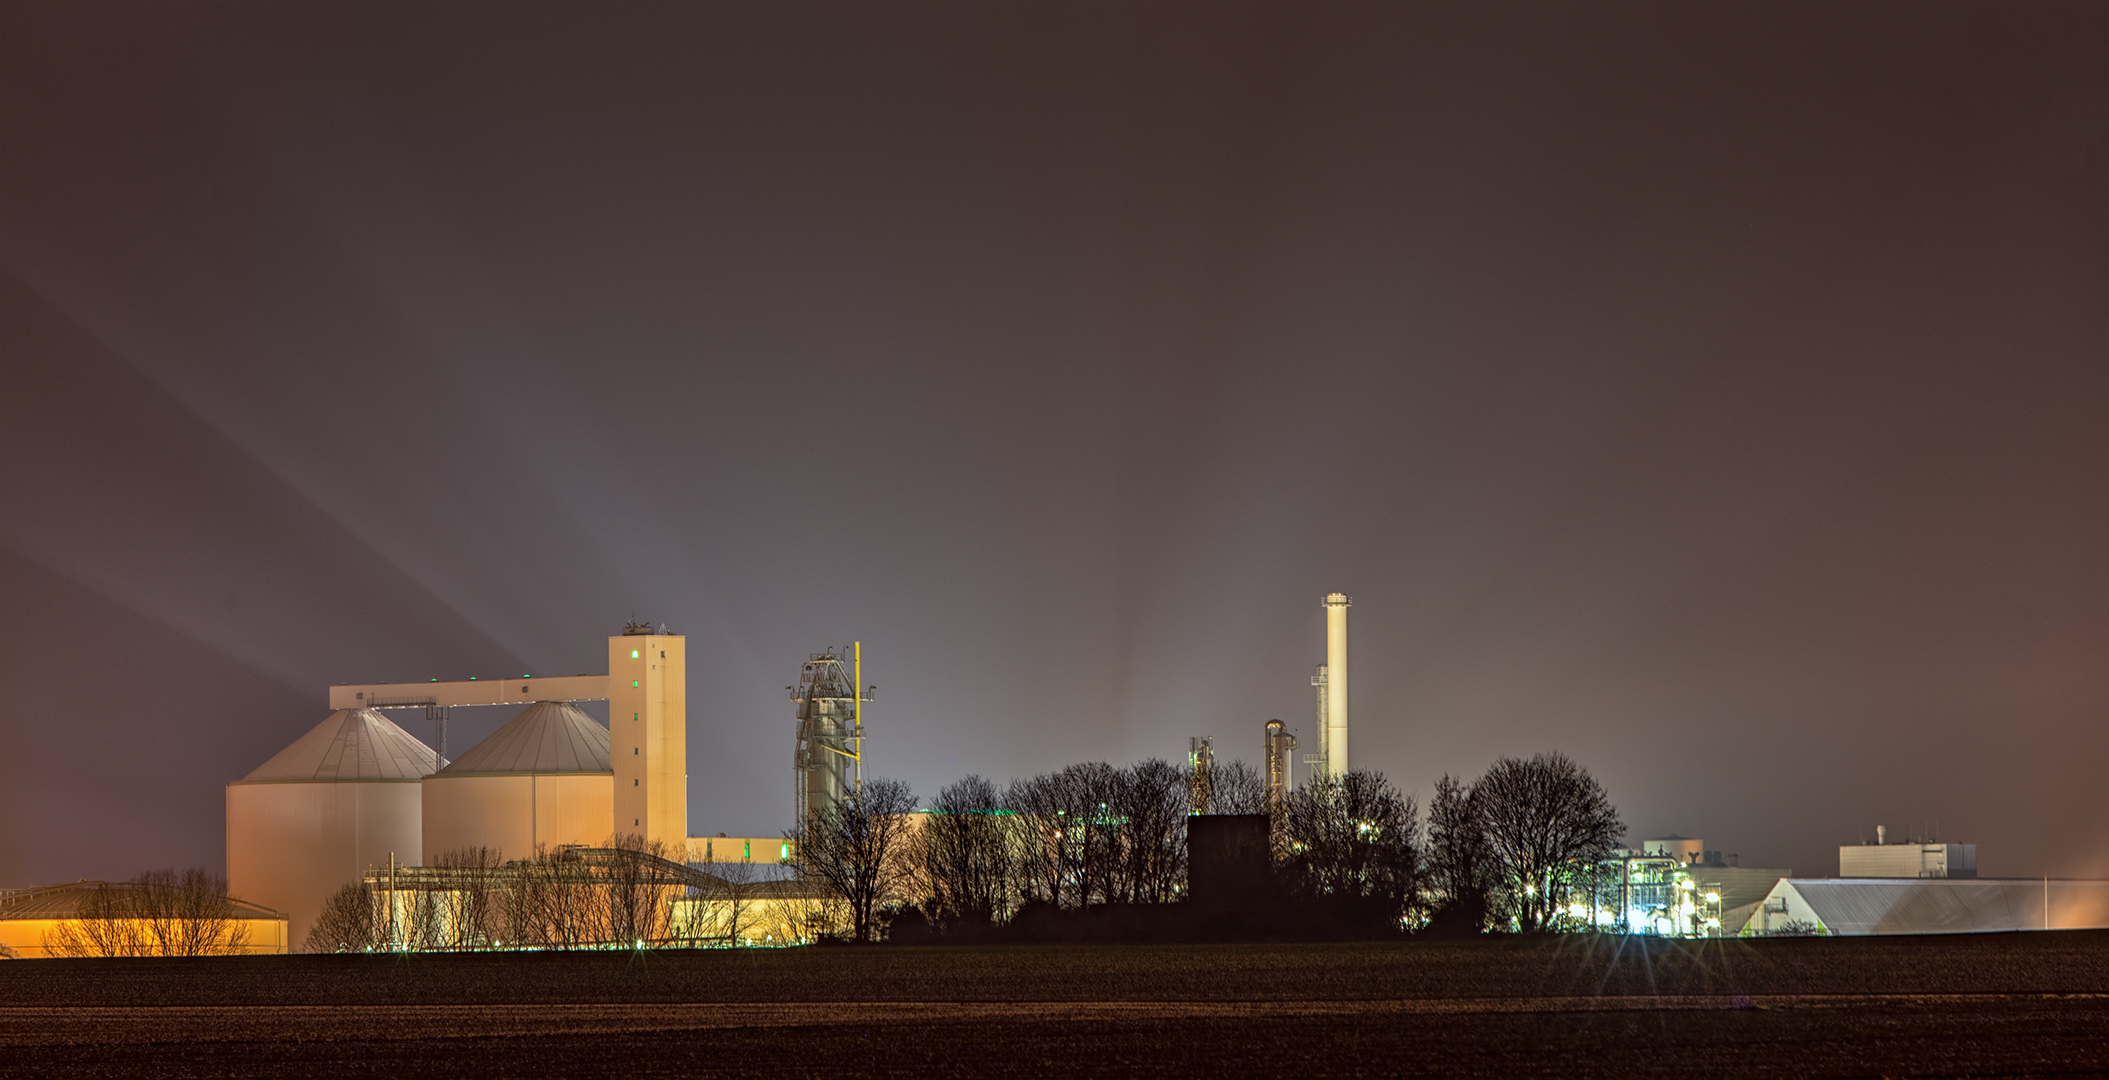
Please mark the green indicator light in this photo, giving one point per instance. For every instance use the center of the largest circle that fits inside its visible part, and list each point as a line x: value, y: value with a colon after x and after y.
x: 633, y: 654
x: 633, y: 684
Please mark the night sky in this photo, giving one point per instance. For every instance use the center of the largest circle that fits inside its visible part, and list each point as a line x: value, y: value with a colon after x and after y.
x: 1717, y: 393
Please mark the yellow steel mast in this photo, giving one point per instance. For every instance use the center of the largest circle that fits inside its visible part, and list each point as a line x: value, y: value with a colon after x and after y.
x: 857, y: 707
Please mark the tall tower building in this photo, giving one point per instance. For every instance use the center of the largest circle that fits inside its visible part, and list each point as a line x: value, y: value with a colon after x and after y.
x: 648, y: 734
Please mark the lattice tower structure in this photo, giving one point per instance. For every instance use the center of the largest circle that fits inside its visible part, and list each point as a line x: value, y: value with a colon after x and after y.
x: 1201, y: 773
x: 829, y: 756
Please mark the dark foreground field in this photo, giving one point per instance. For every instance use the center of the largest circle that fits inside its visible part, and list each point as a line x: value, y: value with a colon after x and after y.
x: 1996, y: 1005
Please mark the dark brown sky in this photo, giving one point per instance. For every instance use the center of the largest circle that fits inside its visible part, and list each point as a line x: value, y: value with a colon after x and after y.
x: 1715, y: 393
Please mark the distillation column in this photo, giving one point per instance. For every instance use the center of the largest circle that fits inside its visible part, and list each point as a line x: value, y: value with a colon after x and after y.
x: 1201, y: 774
x: 1335, y: 743
x: 829, y: 756
x: 1281, y: 752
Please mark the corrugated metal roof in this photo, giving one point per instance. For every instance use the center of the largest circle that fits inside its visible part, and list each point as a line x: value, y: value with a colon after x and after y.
x: 352, y: 744
x: 1951, y: 905
x: 64, y: 901
x: 547, y: 737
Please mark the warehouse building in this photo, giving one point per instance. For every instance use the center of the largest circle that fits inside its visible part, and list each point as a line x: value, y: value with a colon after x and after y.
x: 102, y: 918
x: 1858, y: 906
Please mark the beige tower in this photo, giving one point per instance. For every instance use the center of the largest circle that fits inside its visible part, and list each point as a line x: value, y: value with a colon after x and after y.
x: 648, y: 734
x: 1336, y: 760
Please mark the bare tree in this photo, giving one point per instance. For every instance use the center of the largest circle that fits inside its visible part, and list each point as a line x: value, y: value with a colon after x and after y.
x: 101, y: 926
x: 1094, y: 834
x: 198, y: 917
x: 966, y: 854
x: 724, y: 906
x: 1091, y: 823
x: 469, y: 914
x: 1149, y: 807
x: 553, y: 903
x: 158, y: 913
x: 1239, y: 789
x: 1351, y: 838
x: 638, y: 898
x: 1048, y: 861
x: 1461, y: 867
x: 1547, y: 824
x: 1066, y: 835
x: 854, y: 849
x: 350, y: 922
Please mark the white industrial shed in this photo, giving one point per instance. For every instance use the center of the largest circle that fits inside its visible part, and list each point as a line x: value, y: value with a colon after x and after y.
x: 542, y: 780
x: 344, y: 797
x: 1861, y: 906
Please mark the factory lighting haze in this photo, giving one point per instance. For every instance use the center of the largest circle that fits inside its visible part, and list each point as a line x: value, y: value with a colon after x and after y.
x: 1713, y: 394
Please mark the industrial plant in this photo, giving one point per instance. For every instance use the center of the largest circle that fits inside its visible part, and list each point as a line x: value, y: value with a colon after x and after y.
x: 360, y: 800
x: 583, y: 826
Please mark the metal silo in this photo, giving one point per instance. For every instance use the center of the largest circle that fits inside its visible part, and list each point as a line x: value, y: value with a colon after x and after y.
x: 541, y: 781
x: 341, y: 800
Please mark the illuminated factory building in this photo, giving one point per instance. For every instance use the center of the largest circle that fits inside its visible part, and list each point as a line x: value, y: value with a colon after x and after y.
x: 359, y: 796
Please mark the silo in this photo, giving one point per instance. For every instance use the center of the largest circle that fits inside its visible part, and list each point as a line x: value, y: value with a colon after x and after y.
x: 344, y: 797
x: 542, y: 780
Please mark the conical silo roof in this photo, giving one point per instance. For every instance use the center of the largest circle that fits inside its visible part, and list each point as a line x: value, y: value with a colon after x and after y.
x: 351, y: 744
x: 547, y: 737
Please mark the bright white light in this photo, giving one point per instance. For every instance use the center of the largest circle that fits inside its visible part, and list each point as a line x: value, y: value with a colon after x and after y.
x: 1713, y: 924
x: 1713, y: 898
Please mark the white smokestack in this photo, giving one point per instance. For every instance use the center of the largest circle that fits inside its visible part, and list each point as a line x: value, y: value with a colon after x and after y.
x: 1336, y: 684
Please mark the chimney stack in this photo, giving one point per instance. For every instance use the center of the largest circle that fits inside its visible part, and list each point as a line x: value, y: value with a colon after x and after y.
x: 1336, y: 762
